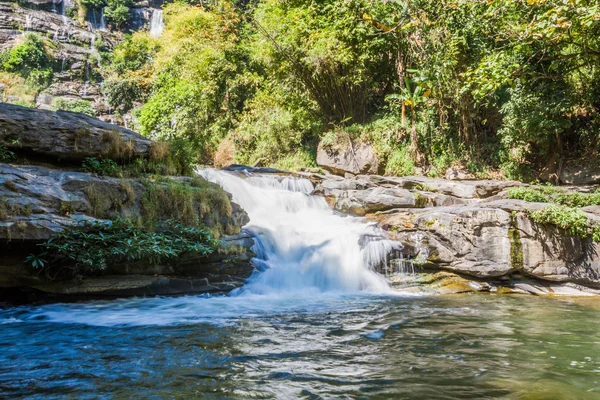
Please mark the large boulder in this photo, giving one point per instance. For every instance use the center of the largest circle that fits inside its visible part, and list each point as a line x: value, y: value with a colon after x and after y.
x: 494, y: 239
x: 353, y: 159
x: 578, y: 174
x: 38, y: 202
x: 67, y: 135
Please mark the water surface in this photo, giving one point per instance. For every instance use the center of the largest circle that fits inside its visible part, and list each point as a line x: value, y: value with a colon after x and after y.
x: 313, y: 346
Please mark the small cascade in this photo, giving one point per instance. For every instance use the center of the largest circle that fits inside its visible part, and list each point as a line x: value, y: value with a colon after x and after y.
x: 97, y: 20
x: 65, y: 4
x: 156, y: 23
x: 28, y: 22
x: 56, y: 36
x: 301, y: 245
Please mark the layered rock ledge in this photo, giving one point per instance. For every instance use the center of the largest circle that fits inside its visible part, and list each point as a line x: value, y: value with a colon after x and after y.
x: 469, y: 228
x: 39, y: 201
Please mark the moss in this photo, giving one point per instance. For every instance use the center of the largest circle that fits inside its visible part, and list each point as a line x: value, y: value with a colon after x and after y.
x: 192, y: 203
x: 159, y: 151
x: 4, y: 207
x: 65, y: 208
x: 117, y: 147
x: 421, y: 201
x: 27, y: 210
x: 10, y: 185
x: 516, y: 247
x: 77, y: 138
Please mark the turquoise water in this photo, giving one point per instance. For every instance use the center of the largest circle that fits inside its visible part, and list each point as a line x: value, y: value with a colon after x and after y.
x: 312, y: 346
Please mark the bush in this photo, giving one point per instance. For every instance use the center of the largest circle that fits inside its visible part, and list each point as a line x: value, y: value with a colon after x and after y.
x: 27, y: 56
x: 6, y: 155
x: 91, y: 247
x: 570, y: 219
x: 79, y: 106
x: 117, y: 12
x: 528, y: 194
x: 101, y: 166
x: 400, y: 163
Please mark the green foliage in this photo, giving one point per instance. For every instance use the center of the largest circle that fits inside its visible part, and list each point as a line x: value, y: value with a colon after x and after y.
x: 484, y: 85
x: 101, y: 166
x: 30, y: 55
x: 116, y: 12
x: 194, y: 203
x: 275, y: 126
x: 551, y: 194
x: 6, y: 155
x: 79, y: 106
x: 528, y: 194
x: 91, y: 247
x: 400, y: 163
x: 31, y: 60
x: 570, y: 219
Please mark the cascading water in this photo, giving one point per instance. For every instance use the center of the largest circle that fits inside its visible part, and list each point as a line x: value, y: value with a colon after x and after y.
x: 156, y: 23
x: 301, y: 244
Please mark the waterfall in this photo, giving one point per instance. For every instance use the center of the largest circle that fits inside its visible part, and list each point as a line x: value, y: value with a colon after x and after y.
x: 28, y: 22
x: 98, y: 24
x: 301, y: 245
x: 65, y: 4
x: 156, y: 24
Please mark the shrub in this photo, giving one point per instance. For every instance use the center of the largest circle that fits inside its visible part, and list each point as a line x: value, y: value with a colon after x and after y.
x: 528, y: 194
x: 79, y: 106
x: 6, y: 155
x: 27, y: 56
x: 400, y: 163
x: 91, y: 247
x: 101, y: 166
x: 570, y: 219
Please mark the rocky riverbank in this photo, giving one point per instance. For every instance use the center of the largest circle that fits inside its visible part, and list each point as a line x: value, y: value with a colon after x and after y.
x: 44, y: 190
x: 473, y: 231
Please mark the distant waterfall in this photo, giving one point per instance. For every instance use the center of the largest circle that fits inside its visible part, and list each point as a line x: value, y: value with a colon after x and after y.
x: 97, y: 20
x: 156, y: 24
x: 301, y: 244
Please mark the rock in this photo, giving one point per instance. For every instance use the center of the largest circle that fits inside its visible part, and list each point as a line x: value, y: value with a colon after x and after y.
x: 42, y: 201
x: 495, y: 239
x: 38, y: 202
x: 358, y: 159
x: 361, y: 202
x: 455, y: 173
x: 66, y: 135
x: 135, y: 285
x: 587, y: 174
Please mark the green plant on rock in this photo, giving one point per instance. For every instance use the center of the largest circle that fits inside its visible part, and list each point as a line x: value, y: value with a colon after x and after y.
x: 572, y: 220
x: 194, y: 203
x: 6, y: 155
x: 78, y: 106
x: 528, y: 194
x: 92, y: 246
x: 101, y: 166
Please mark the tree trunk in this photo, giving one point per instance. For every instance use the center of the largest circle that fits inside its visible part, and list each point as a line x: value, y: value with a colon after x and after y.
x: 401, y: 72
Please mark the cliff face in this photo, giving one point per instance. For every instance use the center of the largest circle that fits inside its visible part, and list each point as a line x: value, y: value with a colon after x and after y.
x: 74, y: 47
x: 38, y: 201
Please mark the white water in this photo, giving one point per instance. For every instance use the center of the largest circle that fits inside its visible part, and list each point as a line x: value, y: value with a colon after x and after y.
x: 97, y: 23
x: 301, y: 244
x: 156, y: 23
x: 309, y: 260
